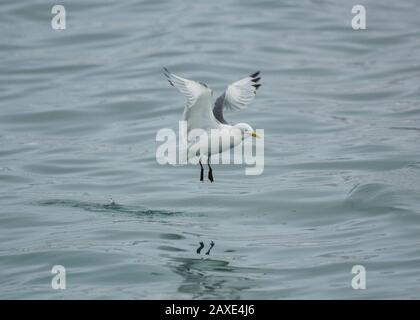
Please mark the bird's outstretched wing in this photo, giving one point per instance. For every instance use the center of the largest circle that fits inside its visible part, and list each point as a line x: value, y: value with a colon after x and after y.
x: 191, y: 89
x: 237, y: 96
x: 198, y: 111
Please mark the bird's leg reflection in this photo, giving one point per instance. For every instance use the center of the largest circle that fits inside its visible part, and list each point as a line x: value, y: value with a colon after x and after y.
x: 202, y: 171
x: 211, y: 246
x: 200, y: 247
x: 210, y: 170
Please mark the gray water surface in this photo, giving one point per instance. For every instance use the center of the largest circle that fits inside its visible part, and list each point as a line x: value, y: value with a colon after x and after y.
x: 79, y: 113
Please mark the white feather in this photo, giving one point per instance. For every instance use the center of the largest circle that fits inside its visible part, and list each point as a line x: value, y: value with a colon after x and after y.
x: 240, y: 93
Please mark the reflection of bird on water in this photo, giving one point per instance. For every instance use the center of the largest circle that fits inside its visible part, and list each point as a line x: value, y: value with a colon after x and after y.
x: 212, y: 279
x: 201, y: 243
x: 211, y: 246
x: 200, y: 247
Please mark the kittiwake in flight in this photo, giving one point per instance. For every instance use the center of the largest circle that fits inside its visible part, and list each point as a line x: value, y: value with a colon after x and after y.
x: 201, y: 113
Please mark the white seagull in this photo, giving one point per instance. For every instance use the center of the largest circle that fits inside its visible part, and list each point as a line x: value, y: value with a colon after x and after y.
x: 200, y: 113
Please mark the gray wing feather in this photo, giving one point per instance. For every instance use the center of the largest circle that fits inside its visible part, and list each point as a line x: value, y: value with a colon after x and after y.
x: 218, y: 109
x: 237, y: 96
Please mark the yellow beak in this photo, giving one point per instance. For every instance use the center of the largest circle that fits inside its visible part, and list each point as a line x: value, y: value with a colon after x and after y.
x: 255, y: 135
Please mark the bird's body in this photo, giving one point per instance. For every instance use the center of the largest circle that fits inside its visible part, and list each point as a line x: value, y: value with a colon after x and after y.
x: 204, y: 119
x: 211, y: 145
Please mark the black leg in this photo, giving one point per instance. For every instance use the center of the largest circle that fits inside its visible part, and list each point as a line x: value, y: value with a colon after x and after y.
x: 211, y: 246
x: 200, y: 247
x: 210, y: 170
x: 202, y: 172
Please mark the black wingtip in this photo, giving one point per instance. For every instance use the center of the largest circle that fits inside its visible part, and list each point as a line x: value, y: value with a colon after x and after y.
x: 255, y: 74
x: 167, y: 75
x: 257, y: 85
x: 256, y: 79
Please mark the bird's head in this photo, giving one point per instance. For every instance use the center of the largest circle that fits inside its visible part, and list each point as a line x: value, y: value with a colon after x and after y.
x: 246, y: 130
